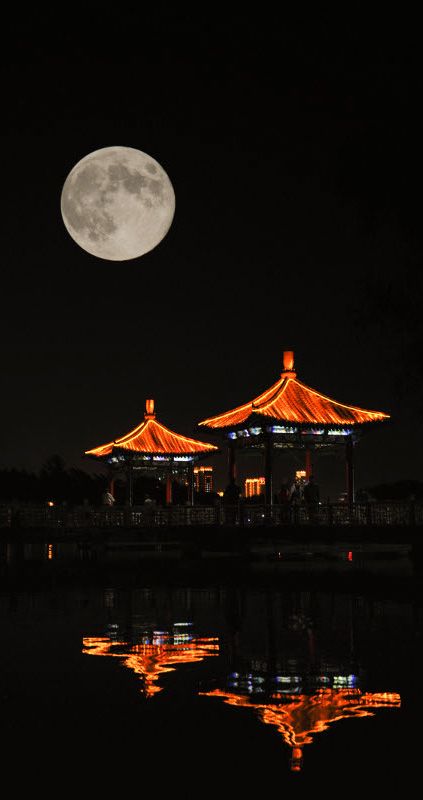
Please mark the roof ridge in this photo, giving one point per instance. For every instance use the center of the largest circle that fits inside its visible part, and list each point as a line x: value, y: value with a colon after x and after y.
x: 342, y: 405
x: 132, y: 434
x: 226, y: 413
x: 280, y: 389
x: 156, y: 434
x: 181, y: 436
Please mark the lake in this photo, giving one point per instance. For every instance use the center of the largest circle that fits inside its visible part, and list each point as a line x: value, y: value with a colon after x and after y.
x: 125, y: 673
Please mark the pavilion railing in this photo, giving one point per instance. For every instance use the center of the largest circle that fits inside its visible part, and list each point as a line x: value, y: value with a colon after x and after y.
x: 242, y: 515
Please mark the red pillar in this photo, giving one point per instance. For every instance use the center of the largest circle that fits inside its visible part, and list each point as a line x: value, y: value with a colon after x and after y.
x: 168, y: 488
x: 191, y: 484
x: 308, y: 465
x: 231, y: 462
x: 129, y: 485
x: 268, y: 470
x: 350, y: 470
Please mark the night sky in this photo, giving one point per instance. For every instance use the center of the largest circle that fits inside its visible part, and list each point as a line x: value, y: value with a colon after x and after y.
x: 295, y: 151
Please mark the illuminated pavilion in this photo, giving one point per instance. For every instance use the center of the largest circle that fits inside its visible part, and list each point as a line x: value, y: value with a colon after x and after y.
x: 291, y: 415
x: 153, y: 449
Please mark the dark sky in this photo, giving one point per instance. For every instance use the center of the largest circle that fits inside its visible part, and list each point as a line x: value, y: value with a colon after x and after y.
x: 295, y: 150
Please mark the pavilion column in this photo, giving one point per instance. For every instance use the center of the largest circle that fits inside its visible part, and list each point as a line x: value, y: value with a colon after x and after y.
x: 169, y: 487
x: 268, y: 469
x: 308, y: 464
x: 231, y: 462
x: 112, y: 484
x: 191, y: 484
x: 349, y: 464
x: 130, y: 484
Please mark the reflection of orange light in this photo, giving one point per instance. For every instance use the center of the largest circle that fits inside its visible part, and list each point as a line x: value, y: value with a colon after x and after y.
x: 298, y: 717
x: 50, y: 503
x: 149, y: 661
x: 296, y: 759
x: 49, y: 552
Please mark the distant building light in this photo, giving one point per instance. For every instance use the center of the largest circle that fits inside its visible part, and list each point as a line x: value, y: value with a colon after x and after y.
x: 313, y: 432
x: 340, y: 432
x: 232, y: 435
x: 182, y: 458
x: 203, y: 479
x: 254, y: 486
x: 255, y: 431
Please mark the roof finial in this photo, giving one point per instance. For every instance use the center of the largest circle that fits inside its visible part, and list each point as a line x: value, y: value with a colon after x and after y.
x: 288, y: 364
x: 149, y: 409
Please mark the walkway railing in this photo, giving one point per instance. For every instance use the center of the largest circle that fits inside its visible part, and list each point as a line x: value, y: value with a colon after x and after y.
x: 243, y: 515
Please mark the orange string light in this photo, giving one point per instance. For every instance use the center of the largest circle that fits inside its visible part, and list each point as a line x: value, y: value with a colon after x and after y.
x: 150, y: 436
x: 289, y: 400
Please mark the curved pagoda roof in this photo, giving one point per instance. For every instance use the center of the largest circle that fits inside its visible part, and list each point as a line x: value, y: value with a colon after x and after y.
x: 153, y: 438
x: 291, y: 401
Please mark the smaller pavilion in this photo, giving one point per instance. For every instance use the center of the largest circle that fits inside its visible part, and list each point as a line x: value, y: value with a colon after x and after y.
x: 292, y: 416
x: 153, y: 449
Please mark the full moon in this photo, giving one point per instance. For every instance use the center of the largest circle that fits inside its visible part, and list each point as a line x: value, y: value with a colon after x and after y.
x: 117, y: 203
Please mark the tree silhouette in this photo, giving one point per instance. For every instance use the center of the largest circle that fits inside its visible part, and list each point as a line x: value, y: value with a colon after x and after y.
x: 54, y: 482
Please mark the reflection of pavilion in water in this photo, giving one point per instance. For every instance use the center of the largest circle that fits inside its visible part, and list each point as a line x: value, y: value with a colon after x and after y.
x: 294, y: 662
x: 298, y: 717
x: 157, y: 652
x: 295, y: 658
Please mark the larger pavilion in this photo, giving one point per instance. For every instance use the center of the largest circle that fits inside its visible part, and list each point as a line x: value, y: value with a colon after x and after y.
x: 291, y: 415
x: 153, y: 449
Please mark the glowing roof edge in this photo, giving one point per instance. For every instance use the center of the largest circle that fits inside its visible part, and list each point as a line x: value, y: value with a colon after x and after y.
x: 290, y: 401
x: 153, y: 438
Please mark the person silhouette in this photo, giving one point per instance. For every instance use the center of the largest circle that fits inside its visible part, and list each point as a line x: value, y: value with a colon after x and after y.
x: 231, y: 498
x: 311, y: 498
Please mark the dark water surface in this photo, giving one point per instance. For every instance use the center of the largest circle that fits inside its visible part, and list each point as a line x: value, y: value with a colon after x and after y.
x: 134, y: 676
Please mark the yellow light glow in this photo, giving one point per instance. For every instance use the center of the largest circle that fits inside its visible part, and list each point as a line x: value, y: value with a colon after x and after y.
x: 203, y: 479
x: 254, y: 486
x: 288, y: 360
x: 149, y: 407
